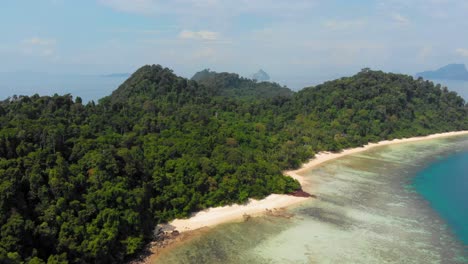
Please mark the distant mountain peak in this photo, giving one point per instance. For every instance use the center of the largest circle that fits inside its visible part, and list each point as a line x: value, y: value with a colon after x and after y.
x: 150, y: 80
x: 452, y: 71
x: 261, y: 76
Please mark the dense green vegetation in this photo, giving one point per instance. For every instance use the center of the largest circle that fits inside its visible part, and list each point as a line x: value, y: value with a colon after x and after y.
x: 88, y: 183
x: 231, y: 85
x: 372, y: 106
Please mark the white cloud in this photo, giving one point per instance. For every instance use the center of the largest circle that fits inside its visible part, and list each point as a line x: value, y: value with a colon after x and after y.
x: 462, y: 52
x: 36, y: 46
x: 400, y: 19
x: 40, y: 41
x: 201, y: 35
x: 275, y: 33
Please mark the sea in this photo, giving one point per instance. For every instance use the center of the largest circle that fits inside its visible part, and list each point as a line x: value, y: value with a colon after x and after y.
x: 403, y: 203
x: 461, y: 87
x: 444, y: 183
x: 88, y: 87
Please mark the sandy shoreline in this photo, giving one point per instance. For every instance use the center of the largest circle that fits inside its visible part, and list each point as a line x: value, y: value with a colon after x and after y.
x: 215, y: 216
x: 327, y: 156
x: 219, y: 215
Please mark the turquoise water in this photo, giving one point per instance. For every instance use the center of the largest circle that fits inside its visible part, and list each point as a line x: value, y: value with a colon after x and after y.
x: 445, y: 185
x: 367, y: 211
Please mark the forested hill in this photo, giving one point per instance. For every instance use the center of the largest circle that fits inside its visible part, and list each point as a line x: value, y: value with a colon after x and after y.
x: 88, y: 183
x: 370, y: 106
x: 232, y: 85
x: 154, y: 81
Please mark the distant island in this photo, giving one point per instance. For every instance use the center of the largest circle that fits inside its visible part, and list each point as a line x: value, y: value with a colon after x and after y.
x: 261, y: 76
x: 448, y: 72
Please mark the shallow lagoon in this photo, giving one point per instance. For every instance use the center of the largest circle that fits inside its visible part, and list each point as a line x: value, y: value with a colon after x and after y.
x: 367, y: 212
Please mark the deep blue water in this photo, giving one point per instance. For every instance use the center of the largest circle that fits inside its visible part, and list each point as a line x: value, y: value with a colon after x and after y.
x: 444, y: 184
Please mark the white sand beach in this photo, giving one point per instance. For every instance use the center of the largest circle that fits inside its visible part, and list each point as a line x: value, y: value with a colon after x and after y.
x: 219, y: 215
x: 215, y: 216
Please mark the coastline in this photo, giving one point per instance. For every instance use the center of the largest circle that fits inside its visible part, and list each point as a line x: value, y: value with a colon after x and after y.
x: 219, y: 215
x: 323, y: 157
x: 215, y: 216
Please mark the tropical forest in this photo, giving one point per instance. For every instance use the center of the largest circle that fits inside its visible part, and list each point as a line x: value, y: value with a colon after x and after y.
x: 88, y: 182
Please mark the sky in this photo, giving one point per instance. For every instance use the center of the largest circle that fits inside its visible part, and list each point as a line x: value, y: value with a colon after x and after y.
x: 288, y: 39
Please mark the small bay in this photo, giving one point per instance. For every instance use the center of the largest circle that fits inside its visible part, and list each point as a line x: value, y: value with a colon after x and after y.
x: 368, y: 210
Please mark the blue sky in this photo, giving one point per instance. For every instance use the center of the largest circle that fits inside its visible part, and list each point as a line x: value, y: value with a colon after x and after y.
x: 315, y: 38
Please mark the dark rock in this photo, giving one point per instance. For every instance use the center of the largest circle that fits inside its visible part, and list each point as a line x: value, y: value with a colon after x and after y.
x: 301, y: 193
x: 261, y: 76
